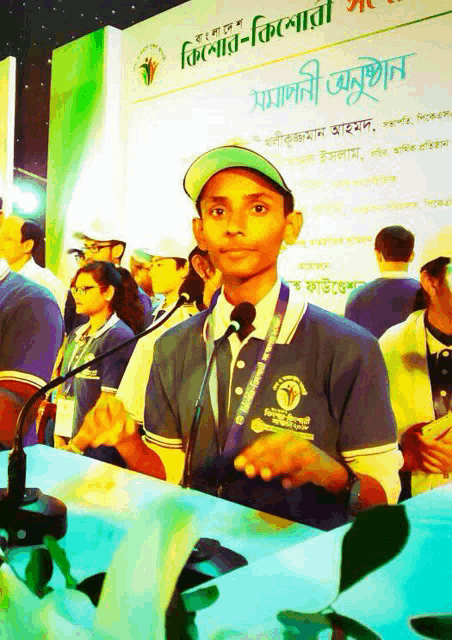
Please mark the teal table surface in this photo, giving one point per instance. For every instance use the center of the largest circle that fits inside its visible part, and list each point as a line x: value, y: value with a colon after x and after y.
x: 103, y: 501
x: 305, y: 578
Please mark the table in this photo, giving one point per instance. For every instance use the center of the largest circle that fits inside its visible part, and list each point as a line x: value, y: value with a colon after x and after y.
x: 305, y: 577
x: 102, y: 501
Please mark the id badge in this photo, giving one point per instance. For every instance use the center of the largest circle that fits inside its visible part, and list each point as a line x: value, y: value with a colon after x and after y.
x: 64, y: 420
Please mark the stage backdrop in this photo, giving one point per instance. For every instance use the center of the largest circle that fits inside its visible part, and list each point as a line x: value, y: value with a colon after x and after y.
x: 350, y: 99
x: 7, y: 109
x: 84, y: 157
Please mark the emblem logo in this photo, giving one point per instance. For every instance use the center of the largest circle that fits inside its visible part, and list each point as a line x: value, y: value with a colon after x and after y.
x: 289, y: 390
x: 147, y: 62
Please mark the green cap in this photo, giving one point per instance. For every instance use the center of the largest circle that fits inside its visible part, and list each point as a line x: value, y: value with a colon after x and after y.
x: 229, y: 157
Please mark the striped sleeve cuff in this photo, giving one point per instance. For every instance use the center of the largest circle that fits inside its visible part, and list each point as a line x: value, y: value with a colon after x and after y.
x: 167, y: 443
x: 21, y: 376
x: 370, y: 451
x: 108, y: 389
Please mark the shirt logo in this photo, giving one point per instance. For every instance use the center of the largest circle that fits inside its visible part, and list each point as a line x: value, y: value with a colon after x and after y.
x: 289, y: 390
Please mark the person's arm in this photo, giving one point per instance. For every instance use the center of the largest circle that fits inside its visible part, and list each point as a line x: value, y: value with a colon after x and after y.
x: 421, y: 453
x: 351, y: 312
x: 359, y: 398
x: 30, y: 341
x: 109, y: 424
x: 380, y: 463
x: 13, y: 396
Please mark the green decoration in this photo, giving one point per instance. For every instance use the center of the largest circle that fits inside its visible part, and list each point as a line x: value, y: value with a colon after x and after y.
x: 39, y: 571
x: 309, y: 625
x: 60, y: 558
x: 375, y: 538
x: 200, y: 599
x: 438, y: 627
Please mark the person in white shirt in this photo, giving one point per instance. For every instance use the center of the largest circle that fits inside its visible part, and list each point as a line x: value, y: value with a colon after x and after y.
x: 418, y: 356
x: 19, y: 239
x: 168, y: 270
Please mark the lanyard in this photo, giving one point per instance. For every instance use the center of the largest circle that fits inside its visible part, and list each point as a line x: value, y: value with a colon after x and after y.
x: 80, y: 351
x: 265, y: 353
x: 81, y: 347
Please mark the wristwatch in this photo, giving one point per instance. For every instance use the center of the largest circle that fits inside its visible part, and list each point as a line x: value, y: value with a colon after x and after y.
x: 353, y: 490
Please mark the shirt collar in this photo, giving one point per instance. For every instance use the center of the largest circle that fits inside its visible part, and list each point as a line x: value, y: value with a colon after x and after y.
x: 394, y: 274
x: 4, y: 269
x: 108, y: 325
x: 28, y: 267
x: 435, y: 345
x: 264, y: 313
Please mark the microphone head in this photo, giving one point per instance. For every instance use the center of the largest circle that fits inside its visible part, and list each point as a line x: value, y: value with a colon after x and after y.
x: 243, y: 314
x: 189, y: 290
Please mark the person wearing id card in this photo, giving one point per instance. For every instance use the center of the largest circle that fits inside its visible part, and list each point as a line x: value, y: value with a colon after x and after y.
x: 108, y: 296
x: 418, y: 356
x: 102, y: 242
x: 297, y: 421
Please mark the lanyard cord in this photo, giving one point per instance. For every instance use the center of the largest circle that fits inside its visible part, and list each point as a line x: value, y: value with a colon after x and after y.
x: 79, y: 352
x: 77, y: 355
x: 265, y: 353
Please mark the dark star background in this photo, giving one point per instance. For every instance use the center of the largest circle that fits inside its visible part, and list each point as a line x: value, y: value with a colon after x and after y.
x: 29, y: 31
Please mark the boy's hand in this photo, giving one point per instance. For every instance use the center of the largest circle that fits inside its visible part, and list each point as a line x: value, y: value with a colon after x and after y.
x: 294, y: 458
x: 106, y: 424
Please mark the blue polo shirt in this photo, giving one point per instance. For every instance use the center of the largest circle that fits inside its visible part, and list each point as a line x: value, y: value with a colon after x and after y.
x: 382, y: 303
x: 87, y: 385
x: 328, y: 382
x: 31, y: 332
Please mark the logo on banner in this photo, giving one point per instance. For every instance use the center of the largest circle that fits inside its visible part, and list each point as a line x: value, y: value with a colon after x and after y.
x: 289, y: 390
x: 147, y: 63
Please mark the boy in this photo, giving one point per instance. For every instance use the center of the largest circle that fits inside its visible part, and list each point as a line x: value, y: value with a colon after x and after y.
x: 323, y: 397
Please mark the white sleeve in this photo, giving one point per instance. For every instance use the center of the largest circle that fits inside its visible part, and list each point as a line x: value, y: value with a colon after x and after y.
x: 381, y: 463
x: 132, y: 388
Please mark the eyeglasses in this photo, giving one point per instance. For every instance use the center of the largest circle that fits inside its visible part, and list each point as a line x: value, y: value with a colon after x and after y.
x: 76, y: 290
x: 95, y: 248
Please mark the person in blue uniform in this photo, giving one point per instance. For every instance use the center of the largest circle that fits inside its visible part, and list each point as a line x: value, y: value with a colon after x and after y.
x: 389, y: 299
x: 297, y: 421
x: 31, y: 332
x: 107, y: 295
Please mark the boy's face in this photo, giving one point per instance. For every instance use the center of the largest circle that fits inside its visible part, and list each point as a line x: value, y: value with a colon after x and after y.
x: 165, y: 276
x: 242, y: 224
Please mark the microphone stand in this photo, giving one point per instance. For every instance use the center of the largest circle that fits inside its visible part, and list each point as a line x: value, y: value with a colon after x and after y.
x: 242, y: 316
x: 28, y: 514
x: 187, y: 476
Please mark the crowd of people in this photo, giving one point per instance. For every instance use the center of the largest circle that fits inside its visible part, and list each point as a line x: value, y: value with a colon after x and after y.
x: 308, y: 415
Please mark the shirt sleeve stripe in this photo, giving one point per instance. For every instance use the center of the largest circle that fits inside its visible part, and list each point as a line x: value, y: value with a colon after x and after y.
x: 168, y: 443
x: 21, y: 376
x: 108, y: 389
x: 370, y: 451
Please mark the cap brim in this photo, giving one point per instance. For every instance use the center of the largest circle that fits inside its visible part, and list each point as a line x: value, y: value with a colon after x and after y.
x: 228, y: 157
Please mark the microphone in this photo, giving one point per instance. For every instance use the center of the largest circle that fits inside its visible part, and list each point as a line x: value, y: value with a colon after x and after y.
x: 242, y: 317
x: 28, y: 514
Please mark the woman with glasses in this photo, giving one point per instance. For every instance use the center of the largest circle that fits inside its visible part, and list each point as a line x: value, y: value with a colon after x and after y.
x: 108, y: 296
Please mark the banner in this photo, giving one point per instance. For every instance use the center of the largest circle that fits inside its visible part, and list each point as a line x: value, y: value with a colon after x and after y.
x: 350, y: 99
x: 7, y: 113
x: 84, y: 164
x: 360, y: 126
